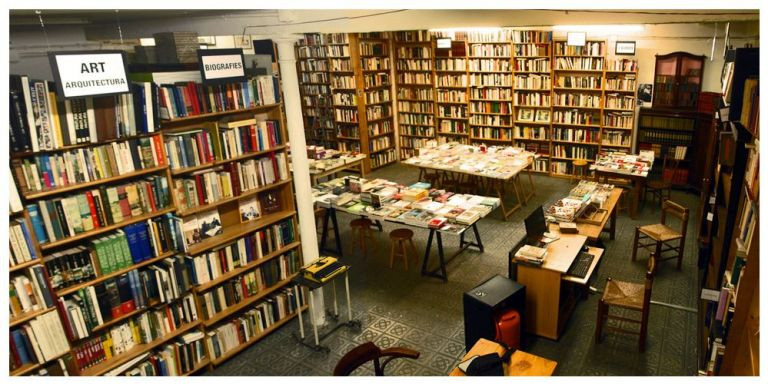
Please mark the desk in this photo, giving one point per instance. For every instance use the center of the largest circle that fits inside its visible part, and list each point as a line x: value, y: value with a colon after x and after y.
x: 391, y: 212
x: 593, y: 231
x: 549, y: 301
x: 521, y: 363
x: 336, y: 165
x: 500, y: 166
x: 631, y: 167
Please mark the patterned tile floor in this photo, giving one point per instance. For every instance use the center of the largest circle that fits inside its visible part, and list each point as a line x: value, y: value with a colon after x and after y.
x: 398, y: 308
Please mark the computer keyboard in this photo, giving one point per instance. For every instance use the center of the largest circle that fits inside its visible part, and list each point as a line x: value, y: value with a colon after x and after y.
x: 580, y: 265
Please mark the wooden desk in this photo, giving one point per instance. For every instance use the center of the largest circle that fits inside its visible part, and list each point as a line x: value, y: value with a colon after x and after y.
x: 521, y: 363
x: 593, y: 231
x: 548, y: 301
x: 638, y: 182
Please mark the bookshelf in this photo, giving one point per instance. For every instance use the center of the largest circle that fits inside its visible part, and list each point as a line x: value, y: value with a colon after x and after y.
x: 344, y: 93
x: 677, y: 80
x: 313, y: 65
x: 415, y: 90
x: 532, y: 94
x: 578, y: 97
x: 112, y: 218
x: 489, y: 64
x: 373, y: 72
x: 619, y: 107
x: 451, y: 88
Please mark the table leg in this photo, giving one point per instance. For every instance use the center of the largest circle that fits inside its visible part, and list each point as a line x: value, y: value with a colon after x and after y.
x: 426, y: 253
x: 639, y: 187
x: 442, y: 257
x: 349, y: 302
x: 335, y: 301
x: 298, y: 305
x: 324, y: 236
x: 613, y: 223
x: 336, y: 232
x: 530, y: 180
x: 477, y: 237
x: 312, y: 317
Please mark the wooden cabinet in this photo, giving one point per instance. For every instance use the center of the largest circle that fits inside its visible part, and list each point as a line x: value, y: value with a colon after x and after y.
x: 677, y: 80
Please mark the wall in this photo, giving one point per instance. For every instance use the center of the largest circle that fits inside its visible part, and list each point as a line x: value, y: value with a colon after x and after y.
x: 28, y: 44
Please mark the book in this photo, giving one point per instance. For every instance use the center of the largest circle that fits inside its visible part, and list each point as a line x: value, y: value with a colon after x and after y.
x: 249, y: 209
x: 209, y: 224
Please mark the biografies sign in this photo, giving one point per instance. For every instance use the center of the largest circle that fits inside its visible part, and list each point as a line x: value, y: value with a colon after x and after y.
x: 89, y: 73
x: 219, y: 66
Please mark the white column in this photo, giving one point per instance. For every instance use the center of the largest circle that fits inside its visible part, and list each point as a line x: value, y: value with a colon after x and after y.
x: 301, y: 181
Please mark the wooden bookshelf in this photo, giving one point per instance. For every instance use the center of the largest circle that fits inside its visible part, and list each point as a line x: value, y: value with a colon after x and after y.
x: 415, y: 90
x: 451, y: 91
x: 578, y: 100
x: 168, y: 125
x: 490, y: 76
x: 248, y: 343
x: 247, y: 302
x: 312, y: 66
x: 28, y: 368
x: 371, y: 54
x: 23, y: 318
x: 204, y: 363
x: 233, y: 232
x: 108, y: 365
x: 25, y: 265
x: 229, y: 200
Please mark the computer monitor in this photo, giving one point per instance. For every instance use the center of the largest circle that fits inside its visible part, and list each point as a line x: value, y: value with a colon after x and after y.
x: 535, y: 225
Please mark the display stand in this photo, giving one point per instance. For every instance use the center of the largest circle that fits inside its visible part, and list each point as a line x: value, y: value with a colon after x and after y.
x: 312, y: 285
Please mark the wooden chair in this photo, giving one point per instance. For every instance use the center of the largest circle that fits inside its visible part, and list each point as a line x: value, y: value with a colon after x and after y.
x: 399, y: 237
x: 366, y: 352
x: 629, y: 296
x: 661, y: 188
x: 662, y: 235
x: 364, y: 233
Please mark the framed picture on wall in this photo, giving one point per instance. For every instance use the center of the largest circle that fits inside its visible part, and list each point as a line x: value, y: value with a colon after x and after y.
x: 625, y: 48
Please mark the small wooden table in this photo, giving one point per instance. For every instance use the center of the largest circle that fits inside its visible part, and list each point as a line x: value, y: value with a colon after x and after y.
x: 593, y: 231
x: 521, y: 363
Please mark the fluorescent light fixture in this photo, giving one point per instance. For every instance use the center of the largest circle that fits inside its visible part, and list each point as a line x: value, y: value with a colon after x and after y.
x: 608, y: 28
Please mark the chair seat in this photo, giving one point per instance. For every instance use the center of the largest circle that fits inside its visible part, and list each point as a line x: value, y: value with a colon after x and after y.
x: 624, y: 294
x: 579, y: 163
x: 660, y: 232
x: 361, y: 223
x: 401, y: 234
x: 658, y: 184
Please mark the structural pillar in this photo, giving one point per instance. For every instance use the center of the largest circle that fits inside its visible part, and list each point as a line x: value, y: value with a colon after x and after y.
x: 301, y: 181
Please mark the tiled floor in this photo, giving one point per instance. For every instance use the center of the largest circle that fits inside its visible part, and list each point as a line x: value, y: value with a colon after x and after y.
x: 405, y: 309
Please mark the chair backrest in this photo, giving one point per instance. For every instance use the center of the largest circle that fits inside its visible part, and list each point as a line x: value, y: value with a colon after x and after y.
x: 366, y: 352
x: 676, y: 210
x: 649, y: 274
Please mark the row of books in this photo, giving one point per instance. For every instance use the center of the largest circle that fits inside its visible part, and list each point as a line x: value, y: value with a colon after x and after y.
x: 453, y: 126
x: 584, y: 82
x: 533, y: 99
x: 413, y: 52
x: 379, y: 127
x: 373, y: 96
x: 413, y: 142
x: 523, y: 132
x: 421, y: 78
x: 211, y: 265
x: 22, y: 247
x: 115, y: 298
x: 575, y: 117
x: 182, y: 355
x: 574, y: 152
x: 411, y: 130
x: 243, y: 137
x: 142, y: 329
x: 59, y: 218
x: 29, y: 293
x: 382, y: 158
x: 313, y: 65
x: 376, y: 80
x: 490, y: 120
x: 185, y: 99
x: 415, y: 107
x: 491, y: 93
x: 452, y: 81
x: 189, y: 149
x: 41, y: 121
x: 490, y: 79
x: 133, y: 244
x: 253, y: 323
x: 452, y: 96
x: 591, y: 48
x: 616, y: 101
x: 450, y: 64
x: 535, y: 82
x: 47, y: 171
x: 249, y: 284
x: 624, y: 83
x: 523, y: 50
x: 662, y: 137
x: 38, y: 341
x: 533, y: 65
x: 344, y: 99
x: 579, y: 63
x: 414, y: 65
x: 481, y: 50
x: 580, y: 135
x: 577, y: 100
x: 491, y: 133
x: 455, y: 111
x: 489, y: 65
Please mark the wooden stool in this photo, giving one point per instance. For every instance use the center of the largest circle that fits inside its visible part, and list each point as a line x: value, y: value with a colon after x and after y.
x: 364, y: 231
x: 399, y: 237
x: 581, y: 166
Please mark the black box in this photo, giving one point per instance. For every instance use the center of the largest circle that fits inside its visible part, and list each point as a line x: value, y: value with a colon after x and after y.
x: 482, y: 303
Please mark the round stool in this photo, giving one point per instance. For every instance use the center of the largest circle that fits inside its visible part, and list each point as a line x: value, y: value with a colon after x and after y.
x: 398, y: 238
x: 579, y: 165
x: 364, y: 231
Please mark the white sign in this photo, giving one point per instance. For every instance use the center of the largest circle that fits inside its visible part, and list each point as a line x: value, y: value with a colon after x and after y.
x: 443, y: 43
x: 222, y: 66
x: 578, y: 39
x: 89, y: 74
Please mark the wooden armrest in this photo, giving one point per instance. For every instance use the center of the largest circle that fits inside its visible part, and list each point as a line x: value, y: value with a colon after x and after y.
x: 401, y: 352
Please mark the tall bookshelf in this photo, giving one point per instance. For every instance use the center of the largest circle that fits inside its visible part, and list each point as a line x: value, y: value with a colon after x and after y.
x: 532, y: 98
x: 376, y: 110
x: 415, y: 90
x: 452, y: 88
x: 88, y: 251
x: 344, y: 93
x: 316, y: 102
x: 491, y: 82
x: 577, y: 103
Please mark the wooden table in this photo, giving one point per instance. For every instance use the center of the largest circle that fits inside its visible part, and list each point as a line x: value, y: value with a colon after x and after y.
x: 550, y: 294
x: 497, y: 183
x: 637, y: 175
x: 593, y: 231
x: 521, y: 363
x: 350, y: 162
